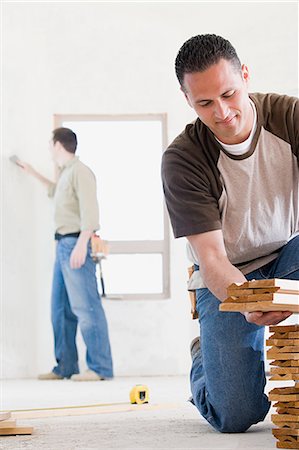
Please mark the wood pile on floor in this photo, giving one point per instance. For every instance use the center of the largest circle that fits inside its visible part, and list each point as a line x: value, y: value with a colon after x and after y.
x: 8, y: 426
x: 262, y: 295
x: 284, y: 351
x: 275, y: 295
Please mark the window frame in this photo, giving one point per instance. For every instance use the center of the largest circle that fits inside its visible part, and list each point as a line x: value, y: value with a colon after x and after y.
x: 141, y: 246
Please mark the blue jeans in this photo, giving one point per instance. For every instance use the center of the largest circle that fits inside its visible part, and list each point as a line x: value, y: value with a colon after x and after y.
x: 227, y: 376
x: 75, y: 299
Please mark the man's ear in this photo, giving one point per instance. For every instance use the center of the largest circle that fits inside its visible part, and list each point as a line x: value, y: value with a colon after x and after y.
x: 186, y: 96
x: 245, y: 73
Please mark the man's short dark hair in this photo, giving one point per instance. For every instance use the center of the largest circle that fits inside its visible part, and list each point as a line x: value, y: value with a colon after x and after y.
x: 202, y: 51
x: 67, y: 139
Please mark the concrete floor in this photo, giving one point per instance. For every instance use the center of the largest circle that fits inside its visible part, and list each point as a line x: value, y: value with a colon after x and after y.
x: 169, y: 421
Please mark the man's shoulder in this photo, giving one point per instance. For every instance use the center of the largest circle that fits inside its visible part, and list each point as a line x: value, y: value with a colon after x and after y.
x: 195, y: 137
x: 81, y: 167
x: 188, y: 137
x: 271, y: 101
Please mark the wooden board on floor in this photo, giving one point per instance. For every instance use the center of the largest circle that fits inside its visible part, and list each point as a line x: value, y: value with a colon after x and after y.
x: 288, y: 438
x: 91, y: 409
x: 287, y: 445
x: 257, y: 306
x: 4, y: 415
x: 7, y: 423
x: 13, y: 431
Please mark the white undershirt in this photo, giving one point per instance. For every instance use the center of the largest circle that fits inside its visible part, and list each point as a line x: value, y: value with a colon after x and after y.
x: 243, y: 147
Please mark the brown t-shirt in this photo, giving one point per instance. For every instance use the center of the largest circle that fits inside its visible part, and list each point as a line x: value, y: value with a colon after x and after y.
x: 253, y: 198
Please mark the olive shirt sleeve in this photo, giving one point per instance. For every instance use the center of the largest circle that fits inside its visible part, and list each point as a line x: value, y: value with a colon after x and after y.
x: 84, y: 183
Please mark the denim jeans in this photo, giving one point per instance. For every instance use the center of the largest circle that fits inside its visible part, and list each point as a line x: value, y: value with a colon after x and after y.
x: 227, y: 376
x: 75, y: 299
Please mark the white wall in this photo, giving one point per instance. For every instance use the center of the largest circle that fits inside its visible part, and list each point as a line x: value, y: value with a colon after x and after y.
x: 113, y: 58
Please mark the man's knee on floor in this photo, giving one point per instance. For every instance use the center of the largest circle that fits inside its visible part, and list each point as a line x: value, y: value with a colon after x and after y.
x: 233, y: 424
x: 239, y: 419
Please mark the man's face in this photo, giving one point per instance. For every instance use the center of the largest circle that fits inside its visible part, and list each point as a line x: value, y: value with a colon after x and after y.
x: 54, y: 149
x: 219, y: 96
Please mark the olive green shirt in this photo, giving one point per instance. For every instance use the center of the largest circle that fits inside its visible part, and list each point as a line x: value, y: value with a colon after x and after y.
x: 75, y: 199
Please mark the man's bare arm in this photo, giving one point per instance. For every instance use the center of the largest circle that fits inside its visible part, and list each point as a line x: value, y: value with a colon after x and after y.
x: 31, y: 171
x: 218, y: 273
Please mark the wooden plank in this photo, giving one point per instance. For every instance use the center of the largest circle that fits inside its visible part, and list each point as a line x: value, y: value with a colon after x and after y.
x: 294, y: 411
x: 286, y: 405
x: 292, y: 285
x: 4, y: 415
x: 285, y: 377
x: 282, y: 342
x: 285, y: 432
x: 286, y: 363
x: 288, y: 394
x: 287, y: 335
x: 238, y: 292
x: 292, y: 299
x: 284, y: 328
x: 278, y: 355
x: 284, y: 370
x: 278, y: 418
x: 7, y: 423
x: 288, y: 438
x: 257, y: 306
x: 287, y: 444
x: 284, y: 397
x: 282, y: 424
x: 285, y: 349
x: 91, y: 409
x: 13, y: 431
x: 284, y: 390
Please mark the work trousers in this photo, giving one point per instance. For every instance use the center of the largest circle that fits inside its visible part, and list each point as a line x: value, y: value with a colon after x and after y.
x: 228, y: 374
x: 76, y: 300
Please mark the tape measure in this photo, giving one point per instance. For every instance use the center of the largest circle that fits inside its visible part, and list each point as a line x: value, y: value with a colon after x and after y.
x: 139, y: 394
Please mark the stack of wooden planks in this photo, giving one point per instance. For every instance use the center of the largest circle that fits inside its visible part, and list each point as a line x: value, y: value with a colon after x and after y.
x: 8, y: 426
x: 284, y: 351
x: 262, y: 295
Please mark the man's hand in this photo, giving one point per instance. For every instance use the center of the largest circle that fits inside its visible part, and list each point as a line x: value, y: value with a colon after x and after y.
x: 78, y: 255
x: 26, y: 167
x: 266, y: 318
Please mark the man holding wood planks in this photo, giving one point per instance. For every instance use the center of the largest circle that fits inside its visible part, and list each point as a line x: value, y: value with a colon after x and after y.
x: 231, y: 187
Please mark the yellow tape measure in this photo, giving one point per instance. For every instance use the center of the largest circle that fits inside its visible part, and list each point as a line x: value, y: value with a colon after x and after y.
x: 139, y: 394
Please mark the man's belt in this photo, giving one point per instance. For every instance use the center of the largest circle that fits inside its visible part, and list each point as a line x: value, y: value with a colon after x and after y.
x: 59, y: 236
